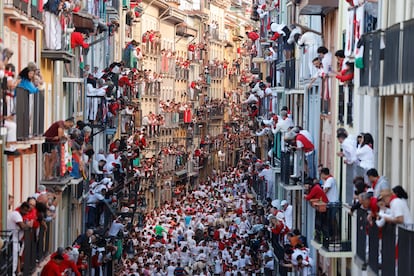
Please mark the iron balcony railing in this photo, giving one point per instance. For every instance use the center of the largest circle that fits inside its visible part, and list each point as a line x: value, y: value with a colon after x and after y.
x: 216, y: 112
x: 407, y: 53
x: 290, y: 74
x: 29, y: 8
x: 36, y: 248
x: 329, y: 229
x: 29, y: 114
x: 385, y: 249
x: 57, y: 162
x: 370, y: 75
x: 216, y: 72
x: 181, y: 73
x: 6, y: 254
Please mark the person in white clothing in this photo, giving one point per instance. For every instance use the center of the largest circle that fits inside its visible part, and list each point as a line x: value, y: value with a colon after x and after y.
x: 365, y: 153
x: 326, y: 59
x: 267, y: 174
x: 348, y: 153
x: 329, y: 185
x: 399, y: 211
x: 288, y: 211
x: 348, y: 146
x: 16, y: 225
x: 116, y: 226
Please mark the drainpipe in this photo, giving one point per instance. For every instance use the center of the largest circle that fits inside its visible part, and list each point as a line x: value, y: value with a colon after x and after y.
x: 3, y: 131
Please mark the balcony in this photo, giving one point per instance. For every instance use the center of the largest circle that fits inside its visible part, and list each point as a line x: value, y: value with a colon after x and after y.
x: 171, y: 120
x: 112, y: 6
x: 317, y: 7
x: 29, y: 116
x: 397, y: 77
x: 25, y: 12
x: 36, y: 248
x: 185, y: 31
x: 216, y: 112
x: 290, y: 74
x: 6, y: 254
x: 380, y: 257
x: 57, y: 164
x: 181, y: 73
x: 216, y: 72
x: 173, y: 14
x: 332, y: 235
x: 370, y: 75
x: 152, y: 89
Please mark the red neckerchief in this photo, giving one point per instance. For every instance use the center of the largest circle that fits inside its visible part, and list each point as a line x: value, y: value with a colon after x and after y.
x: 374, y: 183
x: 392, y: 198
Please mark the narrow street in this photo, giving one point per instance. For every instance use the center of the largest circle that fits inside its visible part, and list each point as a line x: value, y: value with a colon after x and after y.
x: 214, y: 137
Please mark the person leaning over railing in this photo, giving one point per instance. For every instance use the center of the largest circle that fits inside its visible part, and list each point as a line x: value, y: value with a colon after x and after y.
x: 53, y: 136
x: 16, y: 224
x: 398, y: 208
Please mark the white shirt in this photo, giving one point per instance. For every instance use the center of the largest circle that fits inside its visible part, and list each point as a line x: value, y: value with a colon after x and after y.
x: 365, y: 155
x: 264, y: 131
x: 115, y: 228
x: 267, y: 174
x: 327, y: 63
x: 13, y: 218
x: 289, y: 216
x: 332, y: 193
x: 398, y: 208
x: 282, y: 126
x: 251, y: 99
x: 349, y: 148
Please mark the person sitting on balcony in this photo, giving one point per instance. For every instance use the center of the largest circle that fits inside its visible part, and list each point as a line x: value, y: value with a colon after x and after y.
x: 315, y: 191
x: 329, y: 185
x: 378, y: 183
x: 399, y: 211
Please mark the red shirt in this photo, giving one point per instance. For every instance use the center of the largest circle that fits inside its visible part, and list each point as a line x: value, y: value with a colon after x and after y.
x: 51, y: 269
x: 345, y: 76
x: 253, y: 36
x: 66, y: 264
x: 31, y: 216
x: 53, y: 130
x: 317, y: 193
x: 307, y: 145
x: 373, y: 206
x: 76, y: 39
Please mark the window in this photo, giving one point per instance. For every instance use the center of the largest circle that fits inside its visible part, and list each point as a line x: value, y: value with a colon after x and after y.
x: 341, y: 104
x: 350, y: 105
